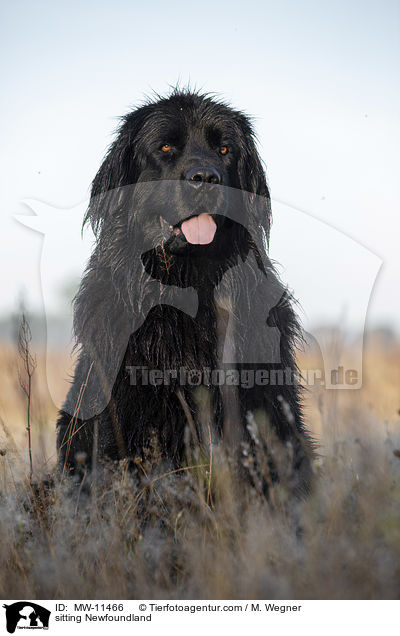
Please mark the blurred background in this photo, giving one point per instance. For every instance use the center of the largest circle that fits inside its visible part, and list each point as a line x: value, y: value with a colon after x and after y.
x: 320, y: 79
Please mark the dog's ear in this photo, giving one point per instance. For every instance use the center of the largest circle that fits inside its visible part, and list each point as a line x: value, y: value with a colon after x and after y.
x: 253, y: 180
x: 119, y: 169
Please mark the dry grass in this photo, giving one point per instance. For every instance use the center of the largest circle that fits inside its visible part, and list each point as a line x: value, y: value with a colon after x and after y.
x: 154, y: 535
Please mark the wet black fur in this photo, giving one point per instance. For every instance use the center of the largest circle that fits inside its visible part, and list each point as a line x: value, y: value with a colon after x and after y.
x: 113, y: 295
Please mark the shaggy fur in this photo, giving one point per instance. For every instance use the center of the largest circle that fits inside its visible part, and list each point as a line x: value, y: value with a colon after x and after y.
x: 152, y: 298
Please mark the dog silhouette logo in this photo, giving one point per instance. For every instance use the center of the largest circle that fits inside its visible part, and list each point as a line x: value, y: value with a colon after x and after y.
x: 26, y: 615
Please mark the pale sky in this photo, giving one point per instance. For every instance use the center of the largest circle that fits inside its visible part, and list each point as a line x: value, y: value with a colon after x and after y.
x: 321, y: 79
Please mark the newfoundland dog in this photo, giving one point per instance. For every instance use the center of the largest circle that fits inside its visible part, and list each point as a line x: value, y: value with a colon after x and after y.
x: 186, y: 336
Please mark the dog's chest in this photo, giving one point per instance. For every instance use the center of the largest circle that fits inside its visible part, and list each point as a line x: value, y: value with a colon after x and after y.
x: 170, y: 338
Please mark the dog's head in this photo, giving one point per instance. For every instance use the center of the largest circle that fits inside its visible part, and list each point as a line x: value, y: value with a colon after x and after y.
x: 173, y: 175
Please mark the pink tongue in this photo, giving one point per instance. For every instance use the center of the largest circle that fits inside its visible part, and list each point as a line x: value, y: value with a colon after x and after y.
x: 199, y: 230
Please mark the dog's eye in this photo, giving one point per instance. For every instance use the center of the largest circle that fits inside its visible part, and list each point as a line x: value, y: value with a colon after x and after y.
x: 166, y: 147
x: 223, y: 150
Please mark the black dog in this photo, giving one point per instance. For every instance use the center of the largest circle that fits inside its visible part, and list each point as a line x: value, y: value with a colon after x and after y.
x: 180, y: 317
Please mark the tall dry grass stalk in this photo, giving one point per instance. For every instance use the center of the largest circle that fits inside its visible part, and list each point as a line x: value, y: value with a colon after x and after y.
x: 25, y: 378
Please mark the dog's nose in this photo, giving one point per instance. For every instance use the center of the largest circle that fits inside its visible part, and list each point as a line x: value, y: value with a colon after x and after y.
x: 203, y: 174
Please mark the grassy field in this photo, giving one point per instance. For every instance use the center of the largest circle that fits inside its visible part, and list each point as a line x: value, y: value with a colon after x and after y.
x: 201, y: 535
